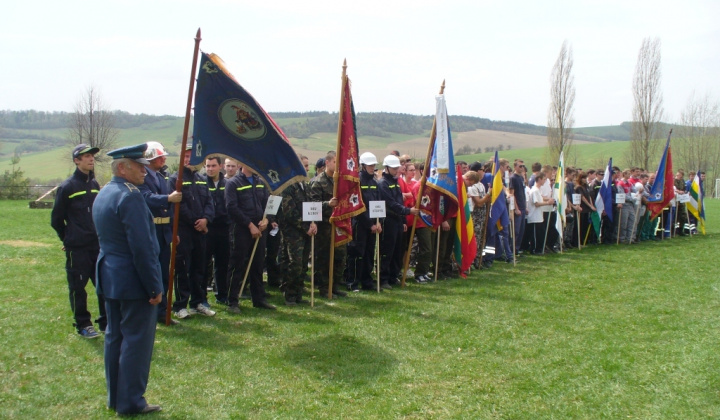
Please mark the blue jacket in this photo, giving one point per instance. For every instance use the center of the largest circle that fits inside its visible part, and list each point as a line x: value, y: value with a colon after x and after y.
x: 128, y: 266
x: 155, y: 190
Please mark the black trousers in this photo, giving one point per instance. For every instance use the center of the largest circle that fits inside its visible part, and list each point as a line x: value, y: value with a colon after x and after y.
x: 189, y: 268
x: 391, y: 250
x: 80, y: 267
x: 241, y: 246
x: 361, y: 257
x: 217, y: 254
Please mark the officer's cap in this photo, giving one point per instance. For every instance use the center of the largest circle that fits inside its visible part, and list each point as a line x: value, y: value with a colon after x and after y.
x: 83, y: 148
x: 130, y: 152
x: 320, y: 163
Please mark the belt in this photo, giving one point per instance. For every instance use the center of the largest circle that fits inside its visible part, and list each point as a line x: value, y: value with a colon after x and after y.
x: 161, y: 220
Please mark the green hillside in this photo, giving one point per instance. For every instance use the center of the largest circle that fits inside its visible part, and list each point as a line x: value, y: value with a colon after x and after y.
x: 40, y: 137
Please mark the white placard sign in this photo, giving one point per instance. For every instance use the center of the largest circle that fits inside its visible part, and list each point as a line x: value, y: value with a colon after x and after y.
x: 377, y: 209
x: 511, y: 203
x: 273, y: 205
x: 312, y: 212
x: 683, y: 198
x: 576, y: 200
x: 620, y: 198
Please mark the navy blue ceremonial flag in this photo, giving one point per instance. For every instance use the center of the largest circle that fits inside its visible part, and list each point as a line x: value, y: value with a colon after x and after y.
x: 230, y: 122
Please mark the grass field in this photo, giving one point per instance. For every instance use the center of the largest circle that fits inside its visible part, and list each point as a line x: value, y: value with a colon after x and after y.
x: 607, y: 332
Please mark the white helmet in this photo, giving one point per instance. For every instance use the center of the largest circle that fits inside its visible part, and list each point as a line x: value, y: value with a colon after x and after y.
x: 391, y: 161
x: 154, y: 150
x: 368, y: 158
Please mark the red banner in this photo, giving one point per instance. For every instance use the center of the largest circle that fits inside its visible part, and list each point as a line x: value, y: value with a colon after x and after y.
x: 347, y: 171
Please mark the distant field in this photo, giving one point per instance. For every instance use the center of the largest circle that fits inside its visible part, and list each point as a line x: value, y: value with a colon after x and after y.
x: 55, y: 164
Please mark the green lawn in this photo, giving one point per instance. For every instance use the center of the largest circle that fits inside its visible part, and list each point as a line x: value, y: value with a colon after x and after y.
x: 607, y: 332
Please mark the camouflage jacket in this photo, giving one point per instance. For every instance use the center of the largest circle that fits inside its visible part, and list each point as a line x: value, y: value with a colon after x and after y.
x: 291, y: 209
x: 321, y: 190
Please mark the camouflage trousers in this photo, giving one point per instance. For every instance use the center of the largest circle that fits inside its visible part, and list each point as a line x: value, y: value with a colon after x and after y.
x: 295, y: 246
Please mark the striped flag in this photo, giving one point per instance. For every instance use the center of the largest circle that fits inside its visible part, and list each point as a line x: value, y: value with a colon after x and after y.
x: 465, y: 242
x: 498, y: 202
x: 603, y: 200
x: 696, y: 206
x: 663, y: 190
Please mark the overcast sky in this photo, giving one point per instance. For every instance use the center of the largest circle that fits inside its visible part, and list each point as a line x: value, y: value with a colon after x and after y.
x: 496, y: 56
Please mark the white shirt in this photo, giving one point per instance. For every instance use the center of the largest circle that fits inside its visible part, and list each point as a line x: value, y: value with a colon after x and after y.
x: 535, y: 212
x: 477, y: 190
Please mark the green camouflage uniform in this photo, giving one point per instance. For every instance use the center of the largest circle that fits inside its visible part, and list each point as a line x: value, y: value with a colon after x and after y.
x: 295, y: 240
x: 321, y: 190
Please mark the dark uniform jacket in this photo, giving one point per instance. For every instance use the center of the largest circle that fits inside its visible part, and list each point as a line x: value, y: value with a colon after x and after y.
x: 128, y: 266
x: 245, y: 199
x: 217, y: 192
x: 370, y: 192
x: 196, y: 203
x: 391, y: 193
x: 72, y: 214
x: 155, y: 190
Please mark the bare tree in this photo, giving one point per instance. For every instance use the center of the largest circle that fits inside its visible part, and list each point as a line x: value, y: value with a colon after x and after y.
x: 648, y: 108
x: 93, y: 124
x: 561, y: 117
x: 697, y: 145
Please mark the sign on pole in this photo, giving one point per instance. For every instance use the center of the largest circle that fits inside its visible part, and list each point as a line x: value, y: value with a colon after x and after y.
x: 377, y: 209
x: 273, y: 205
x: 312, y: 212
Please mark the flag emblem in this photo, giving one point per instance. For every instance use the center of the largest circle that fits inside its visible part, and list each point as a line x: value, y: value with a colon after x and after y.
x: 273, y: 175
x: 351, y: 164
x: 241, y: 119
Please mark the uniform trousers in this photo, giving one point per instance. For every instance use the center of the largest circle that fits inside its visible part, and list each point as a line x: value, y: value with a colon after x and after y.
x: 189, y: 268
x: 217, y: 253
x: 360, y: 259
x: 293, y: 259
x: 165, y: 272
x: 80, y: 267
x: 241, y: 246
x: 390, y: 250
x: 129, y: 340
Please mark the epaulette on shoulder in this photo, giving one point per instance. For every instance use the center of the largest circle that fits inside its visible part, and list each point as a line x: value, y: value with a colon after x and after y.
x: 132, y: 187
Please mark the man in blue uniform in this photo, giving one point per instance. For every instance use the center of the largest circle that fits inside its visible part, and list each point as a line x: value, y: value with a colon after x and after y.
x: 159, y: 198
x: 395, y: 223
x: 218, y: 237
x: 130, y: 278
x: 72, y: 220
x: 196, y: 211
x: 361, y: 249
x: 246, y: 198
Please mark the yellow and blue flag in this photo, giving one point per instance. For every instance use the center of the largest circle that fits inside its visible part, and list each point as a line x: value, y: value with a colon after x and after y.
x: 498, y: 202
x: 696, y: 206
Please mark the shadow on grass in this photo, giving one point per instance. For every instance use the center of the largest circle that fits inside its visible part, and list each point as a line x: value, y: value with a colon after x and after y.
x: 341, y: 358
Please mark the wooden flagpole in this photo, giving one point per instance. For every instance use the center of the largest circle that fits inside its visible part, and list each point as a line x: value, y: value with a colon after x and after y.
x: 178, y: 183
x: 377, y: 254
x: 577, y: 219
x: 423, y: 181
x: 618, y: 231
x: 331, y: 270
x: 312, y: 271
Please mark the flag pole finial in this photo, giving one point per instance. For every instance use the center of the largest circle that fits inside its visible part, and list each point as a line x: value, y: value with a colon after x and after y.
x: 197, y: 35
x: 442, y: 87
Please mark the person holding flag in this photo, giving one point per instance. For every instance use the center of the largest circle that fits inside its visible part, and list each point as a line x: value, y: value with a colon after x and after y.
x: 395, y: 223
x: 696, y: 206
x: 465, y: 242
x: 322, y: 190
x: 498, y: 223
x: 361, y: 248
